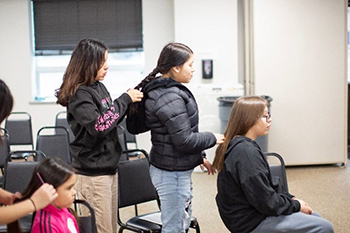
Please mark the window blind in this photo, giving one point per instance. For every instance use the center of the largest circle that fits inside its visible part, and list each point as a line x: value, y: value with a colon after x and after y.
x: 61, y: 24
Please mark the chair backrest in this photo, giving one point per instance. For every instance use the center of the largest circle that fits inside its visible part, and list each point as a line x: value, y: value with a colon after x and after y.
x: 127, y: 152
x: 4, y: 148
x: 18, y: 174
x: 19, y: 127
x: 54, y: 144
x: 130, y: 138
x: 37, y: 155
x: 135, y: 185
x: 278, y: 170
x: 61, y: 120
x: 122, y: 137
x: 87, y: 224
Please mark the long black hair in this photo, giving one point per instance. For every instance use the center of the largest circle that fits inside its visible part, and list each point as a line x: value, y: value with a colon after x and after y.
x: 173, y: 54
x: 6, y: 101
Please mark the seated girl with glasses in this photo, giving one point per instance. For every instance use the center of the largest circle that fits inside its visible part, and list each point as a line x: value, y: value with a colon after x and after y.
x: 246, y: 199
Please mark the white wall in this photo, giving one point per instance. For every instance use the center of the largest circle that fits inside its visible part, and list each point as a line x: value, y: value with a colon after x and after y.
x: 158, y: 30
x: 300, y: 50
x: 16, y: 61
x: 209, y: 28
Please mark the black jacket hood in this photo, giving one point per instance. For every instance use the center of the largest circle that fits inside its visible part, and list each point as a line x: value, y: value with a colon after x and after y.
x: 160, y: 82
x: 237, y: 140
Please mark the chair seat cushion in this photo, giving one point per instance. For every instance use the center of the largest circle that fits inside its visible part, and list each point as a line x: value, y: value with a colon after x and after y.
x: 145, y: 222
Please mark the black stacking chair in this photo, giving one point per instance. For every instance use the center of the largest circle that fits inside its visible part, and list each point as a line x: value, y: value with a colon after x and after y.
x: 4, y: 148
x: 126, y: 139
x: 19, y: 127
x: 278, y: 170
x: 122, y: 137
x: 61, y: 120
x: 135, y: 188
x: 54, y: 141
x: 4, y: 151
x: 87, y: 224
x: 130, y: 138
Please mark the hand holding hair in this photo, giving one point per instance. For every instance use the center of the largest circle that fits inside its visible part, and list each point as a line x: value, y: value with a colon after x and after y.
x: 7, y: 198
x: 135, y: 95
x: 43, y: 196
x: 220, y: 138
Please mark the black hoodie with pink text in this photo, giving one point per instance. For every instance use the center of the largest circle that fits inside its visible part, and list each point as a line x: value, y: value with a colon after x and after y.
x: 93, y: 118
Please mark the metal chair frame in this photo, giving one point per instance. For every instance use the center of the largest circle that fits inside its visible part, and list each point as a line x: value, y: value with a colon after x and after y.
x: 135, y: 187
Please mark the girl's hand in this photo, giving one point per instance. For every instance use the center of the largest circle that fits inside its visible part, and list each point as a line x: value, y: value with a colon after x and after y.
x: 304, y: 207
x: 208, y: 166
x: 8, y: 198
x: 44, y: 196
x: 135, y: 95
x: 220, y: 138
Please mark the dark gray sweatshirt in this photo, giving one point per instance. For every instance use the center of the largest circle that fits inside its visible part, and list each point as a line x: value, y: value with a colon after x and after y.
x: 246, y: 195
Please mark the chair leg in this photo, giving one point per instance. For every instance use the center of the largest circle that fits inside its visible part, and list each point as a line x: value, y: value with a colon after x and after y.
x: 196, y: 227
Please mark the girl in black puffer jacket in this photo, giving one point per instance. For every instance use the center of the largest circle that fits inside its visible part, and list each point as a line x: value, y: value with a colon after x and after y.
x: 177, y: 146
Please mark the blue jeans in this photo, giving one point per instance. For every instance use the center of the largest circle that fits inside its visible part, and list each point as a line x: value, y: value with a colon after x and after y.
x: 175, y: 193
x: 295, y: 223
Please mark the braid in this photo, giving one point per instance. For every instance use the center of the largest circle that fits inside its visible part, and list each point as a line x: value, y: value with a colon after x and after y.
x: 142, y: 84
x: 148, y: 78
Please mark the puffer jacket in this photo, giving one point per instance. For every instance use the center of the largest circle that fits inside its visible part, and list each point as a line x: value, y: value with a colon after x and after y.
x: 172, y: 117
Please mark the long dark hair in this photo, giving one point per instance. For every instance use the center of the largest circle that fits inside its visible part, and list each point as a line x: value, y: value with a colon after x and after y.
x: 6, y: 101
x: 53, y: 171
x: 173, y: 54
x: 87, y: 58
x: 246, y: 111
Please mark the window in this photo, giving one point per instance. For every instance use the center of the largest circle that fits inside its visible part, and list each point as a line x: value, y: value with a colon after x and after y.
x: 58, y: 25
x: 125, y: 71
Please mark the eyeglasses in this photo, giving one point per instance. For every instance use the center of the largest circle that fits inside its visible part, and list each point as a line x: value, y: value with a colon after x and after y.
x: 268, y: 116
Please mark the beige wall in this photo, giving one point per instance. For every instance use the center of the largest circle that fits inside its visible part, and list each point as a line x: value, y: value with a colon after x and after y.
x: 300, y: 60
